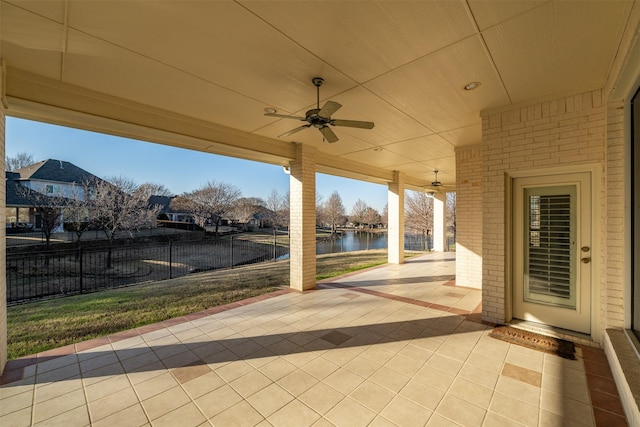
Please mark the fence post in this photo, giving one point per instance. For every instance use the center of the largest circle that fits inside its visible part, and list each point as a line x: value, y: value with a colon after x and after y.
x: 81, y: 273
x: 231, y: 252
x: 170, y: 259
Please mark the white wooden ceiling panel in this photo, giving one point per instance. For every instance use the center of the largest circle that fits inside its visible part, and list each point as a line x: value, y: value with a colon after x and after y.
x: 490, y: 13
x: 367, y: 39
x: 469, y: 135
x: 549, y: 49
x: 103, y: 67
x: 432, y: 89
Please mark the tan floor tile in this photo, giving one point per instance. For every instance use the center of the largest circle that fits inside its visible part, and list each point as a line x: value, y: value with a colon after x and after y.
x: 221, y: 399
x: 444, y: 364
x: 270, y: 399
x: 363, y: 367
x: 277, y: 369
x: 131, y: 416
x: 417, y: 353
x: 74, y: 417
x: 97, y: 362
x: 380, y: 421
x: 423, y: 394
x: 471, y: 392
x: 190, y: 372
x: 451, y: 407
x: 59, y: 374
x: 404, y: 365
x: 104, y: 388
x: 343, y: 380
x: 150, y: 371
x: 156, y: 385
x: 438, y: 420
x: 181, y: 360
x: 249, y: 384
x: 435, y: 377
x: 165, y: 402
x: 140, y: 362
x: 20, y: 418
x: 112, y: 404
x: 526, y: 358
x: 567, y: 408
x: 321, y: 398
x: 373, y: 396
x: 348, y: 412
x: 494, y: 420
x: 390, y: 379
x: 203, y: 385
x: 239, y: 415
x: 454, y: 351
x: 233, y: 370
x: 297, y: 382
x: 404, y: 412
x: 477, y: 375
x: 378, y: 354
x: 58, y: 405
x: 485, y: 361
x: 514, y: 409
x: 185, y: 416
x: 320, y: 368
x: 17, y: 402
x: 518, y: 390
x: 294, y: 414
x: 56, y: 364
x: 527, y: 376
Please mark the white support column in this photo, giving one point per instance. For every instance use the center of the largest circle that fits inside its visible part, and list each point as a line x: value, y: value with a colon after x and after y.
x: 302, y: 185
x: 439, y: 221
x: 396, y: 219
x: 3, y: 219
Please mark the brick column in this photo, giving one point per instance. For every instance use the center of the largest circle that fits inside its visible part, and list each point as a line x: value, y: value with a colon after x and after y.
x: 302, y: 184
x: 469, y: 216
x: 3, y: 241
x: 439, y: 221
x: 396, y: 219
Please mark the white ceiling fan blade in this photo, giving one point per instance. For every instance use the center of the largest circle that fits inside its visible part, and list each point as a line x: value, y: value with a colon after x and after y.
x: 292, y: 131
x: 353, y: 124
x: 328, y: 134
x: 284, y: 116
x: 329, y: 108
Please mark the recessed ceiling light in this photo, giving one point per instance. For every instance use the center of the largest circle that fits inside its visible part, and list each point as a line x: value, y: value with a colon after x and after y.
x: 270, y: 110
x: 472, y: 85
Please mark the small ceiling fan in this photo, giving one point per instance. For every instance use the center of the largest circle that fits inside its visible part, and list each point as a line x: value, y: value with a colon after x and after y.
x: 436, y: 185
x: 320, y: 118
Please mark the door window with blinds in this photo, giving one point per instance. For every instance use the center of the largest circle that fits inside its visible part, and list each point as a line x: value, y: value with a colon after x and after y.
x: 550, y: 252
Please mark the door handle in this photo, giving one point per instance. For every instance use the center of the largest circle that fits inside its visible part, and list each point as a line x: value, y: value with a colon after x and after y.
x: 586, y: 260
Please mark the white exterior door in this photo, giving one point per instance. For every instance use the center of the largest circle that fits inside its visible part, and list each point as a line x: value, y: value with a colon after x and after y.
x: 552, y: 250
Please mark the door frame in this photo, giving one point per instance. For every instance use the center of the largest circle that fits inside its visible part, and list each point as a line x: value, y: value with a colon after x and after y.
x: 597, y: 200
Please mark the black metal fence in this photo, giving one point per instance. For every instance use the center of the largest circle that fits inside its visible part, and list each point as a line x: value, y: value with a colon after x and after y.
x: 54, y: 273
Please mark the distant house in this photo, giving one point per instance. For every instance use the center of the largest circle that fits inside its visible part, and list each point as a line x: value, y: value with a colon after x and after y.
x: 49, y: 177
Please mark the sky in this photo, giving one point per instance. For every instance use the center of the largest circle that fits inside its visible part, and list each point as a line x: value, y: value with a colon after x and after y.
x: 177, y: 169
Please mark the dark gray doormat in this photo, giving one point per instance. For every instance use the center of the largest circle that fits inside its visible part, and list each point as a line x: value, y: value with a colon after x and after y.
x: 560, y: 347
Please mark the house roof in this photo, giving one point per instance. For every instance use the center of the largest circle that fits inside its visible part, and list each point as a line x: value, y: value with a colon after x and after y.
x: 200, y: 75
x: 16, y: 198
x: 57, y: 171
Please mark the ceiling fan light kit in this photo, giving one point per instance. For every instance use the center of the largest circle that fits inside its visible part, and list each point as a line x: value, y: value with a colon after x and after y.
x: 320, y: 118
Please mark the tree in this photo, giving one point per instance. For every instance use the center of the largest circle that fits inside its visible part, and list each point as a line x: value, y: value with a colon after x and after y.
x: 358, y: 213
x: 451, y: 213
x: 18, y: 161
x: 211, y: 202
x: 278, y: 210
x: 76, y: 210
x: 334, y: 212
x: 371, y: 217
x: 154, y: 189
x: 117, y: 205
x: 49, y: 208
x: 384, y: 217
x: 419, y: 213
x: 244, y: 210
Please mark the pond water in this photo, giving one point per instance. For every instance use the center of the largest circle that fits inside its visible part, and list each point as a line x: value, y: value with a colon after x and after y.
x: 362, y: 240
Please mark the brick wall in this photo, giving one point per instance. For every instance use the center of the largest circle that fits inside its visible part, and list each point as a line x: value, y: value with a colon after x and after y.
x: 302, y: 203
x: 612, y: 296
x: 561, y: 132
x: 469, y: 216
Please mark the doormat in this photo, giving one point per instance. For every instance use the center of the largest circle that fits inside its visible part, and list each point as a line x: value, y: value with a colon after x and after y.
x: 560, y: 347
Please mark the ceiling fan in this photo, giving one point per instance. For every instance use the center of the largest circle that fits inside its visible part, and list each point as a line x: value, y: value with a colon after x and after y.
x: 435, y: 184
x: 320, y: 118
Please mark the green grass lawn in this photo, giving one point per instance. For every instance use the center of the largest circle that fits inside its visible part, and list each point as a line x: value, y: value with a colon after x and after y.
x: 41, y: 326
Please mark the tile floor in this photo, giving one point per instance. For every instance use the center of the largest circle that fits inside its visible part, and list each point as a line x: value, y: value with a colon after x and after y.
x: 390, y: 346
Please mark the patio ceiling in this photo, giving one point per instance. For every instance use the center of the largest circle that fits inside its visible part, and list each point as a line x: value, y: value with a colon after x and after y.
x: 200, y: 74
